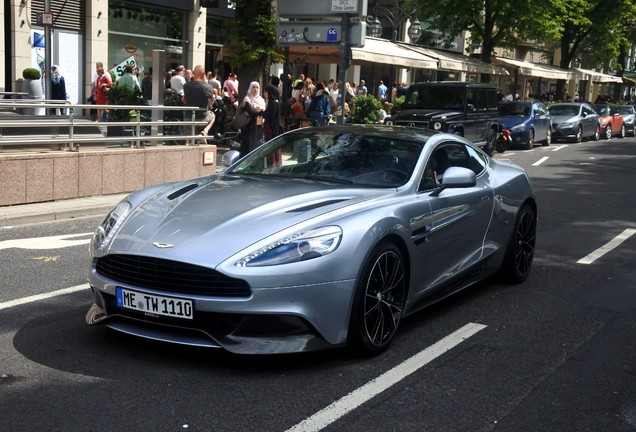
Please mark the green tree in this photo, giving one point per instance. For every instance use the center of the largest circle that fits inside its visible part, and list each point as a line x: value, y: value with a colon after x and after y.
x: 253, y: 36
x: 491, y: 23
x: 592, y: 29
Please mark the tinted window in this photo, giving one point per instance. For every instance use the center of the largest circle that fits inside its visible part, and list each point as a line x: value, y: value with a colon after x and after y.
x: 451, y: 155
x: 561, y: 110
x: 436, y: 97
x: 514, y: 110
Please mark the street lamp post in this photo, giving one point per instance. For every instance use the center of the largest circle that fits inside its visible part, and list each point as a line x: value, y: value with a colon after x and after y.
x: 395, y: 17
x: 374, y: 27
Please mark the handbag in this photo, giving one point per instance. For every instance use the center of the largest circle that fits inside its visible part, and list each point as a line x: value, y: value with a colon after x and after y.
x: 240, y: 120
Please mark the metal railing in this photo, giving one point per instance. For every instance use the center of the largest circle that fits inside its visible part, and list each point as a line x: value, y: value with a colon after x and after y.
x: 64, y: 132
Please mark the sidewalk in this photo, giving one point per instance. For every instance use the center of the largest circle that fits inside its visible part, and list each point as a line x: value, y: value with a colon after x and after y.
x: 58, y: 210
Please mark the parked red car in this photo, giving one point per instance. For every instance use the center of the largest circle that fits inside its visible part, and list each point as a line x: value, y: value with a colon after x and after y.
x: 611, y: 120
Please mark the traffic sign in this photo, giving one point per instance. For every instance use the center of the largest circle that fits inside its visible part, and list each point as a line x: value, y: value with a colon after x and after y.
x: 321, y: 8
x: 318, y: 33
x: 344, y: 6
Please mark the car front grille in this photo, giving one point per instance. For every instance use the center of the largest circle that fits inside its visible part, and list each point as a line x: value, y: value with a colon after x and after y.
x: 412, y: 123
x: 170, y: 276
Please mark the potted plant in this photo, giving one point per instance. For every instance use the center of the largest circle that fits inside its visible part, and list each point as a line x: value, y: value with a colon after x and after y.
x: 364, y: 110
x: 122, y: 95
x: 32, y: 86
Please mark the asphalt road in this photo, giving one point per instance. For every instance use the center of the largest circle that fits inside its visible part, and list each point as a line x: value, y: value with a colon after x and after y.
x: 556, y: 353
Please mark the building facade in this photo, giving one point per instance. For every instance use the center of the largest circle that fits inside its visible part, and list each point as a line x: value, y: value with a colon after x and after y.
x: 114, y: 32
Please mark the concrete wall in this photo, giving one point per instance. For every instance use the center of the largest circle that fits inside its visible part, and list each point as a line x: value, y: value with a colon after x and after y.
x: 38, y: 177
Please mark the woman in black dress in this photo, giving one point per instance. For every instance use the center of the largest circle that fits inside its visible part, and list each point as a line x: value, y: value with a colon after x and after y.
x: 254, y: 105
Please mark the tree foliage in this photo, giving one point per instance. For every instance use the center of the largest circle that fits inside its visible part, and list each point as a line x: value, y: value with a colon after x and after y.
x: 253, y: 39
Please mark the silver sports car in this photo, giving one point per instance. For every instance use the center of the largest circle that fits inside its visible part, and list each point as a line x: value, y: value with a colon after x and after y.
x: 322, y: 237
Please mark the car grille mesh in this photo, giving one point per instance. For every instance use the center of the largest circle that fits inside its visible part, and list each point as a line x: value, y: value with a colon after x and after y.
x: 171, y: 276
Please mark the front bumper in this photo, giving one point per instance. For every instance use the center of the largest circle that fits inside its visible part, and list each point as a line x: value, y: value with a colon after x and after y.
x: 564, y: 131
x: 271, y: 320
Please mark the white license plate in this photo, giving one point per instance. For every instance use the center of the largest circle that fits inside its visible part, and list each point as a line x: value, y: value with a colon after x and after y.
x: 154, y: 304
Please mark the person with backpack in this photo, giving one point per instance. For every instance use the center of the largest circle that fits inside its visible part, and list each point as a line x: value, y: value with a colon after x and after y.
x: 320, y: 108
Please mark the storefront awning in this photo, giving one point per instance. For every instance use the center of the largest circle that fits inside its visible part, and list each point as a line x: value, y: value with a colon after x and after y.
x: 598, y: 77
x: 455, y: 61
x: 538, y: 69
x: 375, y: 50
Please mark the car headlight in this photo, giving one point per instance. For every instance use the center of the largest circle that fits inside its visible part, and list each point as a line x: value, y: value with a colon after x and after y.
x: 297, y: 247
x: 437, y: 125
x: 518, y: 128
x: 105, y: 232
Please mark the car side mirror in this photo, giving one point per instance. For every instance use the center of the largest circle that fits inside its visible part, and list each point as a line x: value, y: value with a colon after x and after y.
x: 230, y: 158
x: 456, y: 177
x: 471, y: 108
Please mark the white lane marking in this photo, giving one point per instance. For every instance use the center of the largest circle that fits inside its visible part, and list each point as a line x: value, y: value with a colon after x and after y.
x: 540, y: 161
x: 53, y: 242
x: 44, y: 296
x: 614, y: 243
x: 339, y: 408
x: 557, y: 148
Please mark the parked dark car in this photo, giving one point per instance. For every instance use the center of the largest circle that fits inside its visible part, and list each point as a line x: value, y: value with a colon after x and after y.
x: 629, y: 118
x: 574, y: 121
x: 528, y: 122
x: 460, y: 108
x: 610, y: 120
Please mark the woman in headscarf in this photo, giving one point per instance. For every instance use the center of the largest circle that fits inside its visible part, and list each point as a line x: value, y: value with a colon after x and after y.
x: 271, y: 123
x: 254, y: 105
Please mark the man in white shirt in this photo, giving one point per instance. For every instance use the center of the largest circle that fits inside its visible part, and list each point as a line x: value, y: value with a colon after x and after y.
x: 178, y: 80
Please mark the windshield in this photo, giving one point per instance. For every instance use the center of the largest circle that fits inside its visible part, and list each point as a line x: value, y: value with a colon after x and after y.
x: 625, y: 109
x: 514, y: 110
x: 602, y: 110
x: 436, y: 97
x: 564, y: 110
x: 334, y: 156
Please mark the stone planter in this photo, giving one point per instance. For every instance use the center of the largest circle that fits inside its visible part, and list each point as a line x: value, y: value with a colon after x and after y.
x: 33, y: 88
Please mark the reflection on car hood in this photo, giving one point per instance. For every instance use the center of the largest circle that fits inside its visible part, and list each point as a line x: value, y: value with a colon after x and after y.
x: 509, y: 122
x: 564, y: 118
x: 206, y: 223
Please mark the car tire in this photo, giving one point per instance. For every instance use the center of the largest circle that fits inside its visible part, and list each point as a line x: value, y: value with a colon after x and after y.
x: 548, y: 138
x: 521, y: 245
x: 622, y: 134
x: 530, y: 143
x: 579, y: 135
x: 491, y: 143
x: 608, y: 132
x: 378, y: 302
x: 597, y: 134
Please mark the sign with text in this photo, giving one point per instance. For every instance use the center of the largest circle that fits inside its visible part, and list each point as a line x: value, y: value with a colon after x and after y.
x: 318, y: 33
x: 344, y: 6
x: 312, y: 8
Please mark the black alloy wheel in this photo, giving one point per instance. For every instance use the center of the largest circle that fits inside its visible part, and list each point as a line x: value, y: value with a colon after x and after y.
x: 579, y: 135
x: 379, y: 300
x: 491, y: 143
x: 521, y: 246
x: 530, y: 143
x: 548, y: 138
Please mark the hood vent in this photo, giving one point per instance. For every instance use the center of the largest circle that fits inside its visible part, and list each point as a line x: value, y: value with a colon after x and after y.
x: 182, y: 191
x: 314, y: 206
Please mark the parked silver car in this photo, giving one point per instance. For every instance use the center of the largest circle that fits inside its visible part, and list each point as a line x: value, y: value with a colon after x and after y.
x: 574, y: 121
x: 629, y: 117
x: 322, y: 237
